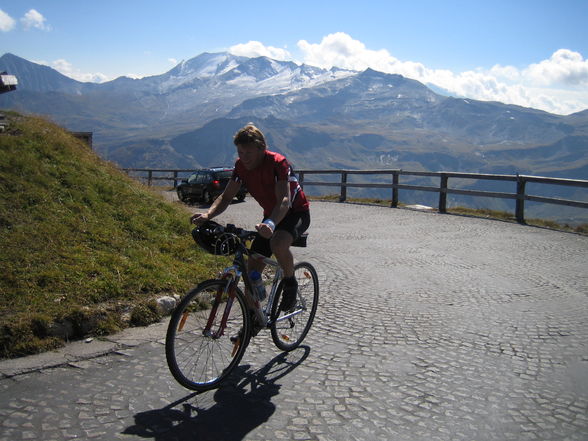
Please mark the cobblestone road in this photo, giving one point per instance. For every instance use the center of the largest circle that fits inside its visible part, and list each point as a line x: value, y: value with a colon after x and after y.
x: 430, y: 327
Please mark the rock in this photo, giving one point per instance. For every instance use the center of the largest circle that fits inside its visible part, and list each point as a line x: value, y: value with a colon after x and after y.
x: 62, y: 329
x: 165, y: 305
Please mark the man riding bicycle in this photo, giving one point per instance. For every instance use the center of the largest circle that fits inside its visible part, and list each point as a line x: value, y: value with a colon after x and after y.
x: 269, y: 178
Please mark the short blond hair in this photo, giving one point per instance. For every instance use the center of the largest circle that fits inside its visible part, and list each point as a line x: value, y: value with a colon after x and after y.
x: 250, y: 135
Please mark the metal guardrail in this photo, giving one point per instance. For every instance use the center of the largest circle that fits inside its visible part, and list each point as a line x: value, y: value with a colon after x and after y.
x: 519, y: 194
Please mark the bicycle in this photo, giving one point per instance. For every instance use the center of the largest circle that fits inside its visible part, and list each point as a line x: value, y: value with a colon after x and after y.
x: 211, y: 327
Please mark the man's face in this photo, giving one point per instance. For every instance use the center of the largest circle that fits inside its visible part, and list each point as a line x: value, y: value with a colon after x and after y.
x: 250, y: 155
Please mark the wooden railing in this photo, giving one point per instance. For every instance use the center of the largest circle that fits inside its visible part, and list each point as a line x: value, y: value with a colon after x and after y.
x: 393, y: 183
x: 152, y: 174
x: 443, y: 189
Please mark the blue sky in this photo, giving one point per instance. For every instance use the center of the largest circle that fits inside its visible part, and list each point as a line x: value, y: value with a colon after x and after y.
x: 531, y: 53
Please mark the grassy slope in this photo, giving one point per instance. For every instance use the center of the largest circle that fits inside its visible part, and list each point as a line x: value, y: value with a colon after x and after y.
x: 79, y: 240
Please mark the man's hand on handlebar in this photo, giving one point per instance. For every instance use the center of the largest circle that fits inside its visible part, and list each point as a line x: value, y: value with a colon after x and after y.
x: 264, y: 230
x: 199, y: 218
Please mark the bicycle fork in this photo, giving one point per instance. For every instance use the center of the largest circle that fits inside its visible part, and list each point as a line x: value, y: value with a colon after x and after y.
x: 230, y: 290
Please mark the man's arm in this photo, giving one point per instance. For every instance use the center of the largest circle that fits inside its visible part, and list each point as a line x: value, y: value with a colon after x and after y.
x: 282, y: 190
x: 219, y: 205
x: 282, y: 201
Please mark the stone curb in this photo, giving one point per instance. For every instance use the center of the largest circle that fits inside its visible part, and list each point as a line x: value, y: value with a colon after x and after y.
x: 80, y: 350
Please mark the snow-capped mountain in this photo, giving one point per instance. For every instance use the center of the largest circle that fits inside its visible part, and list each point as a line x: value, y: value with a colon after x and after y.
x: 187, y: 96
x: 260, y: 75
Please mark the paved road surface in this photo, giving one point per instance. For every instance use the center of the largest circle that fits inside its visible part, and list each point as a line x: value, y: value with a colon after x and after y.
x: 430, y: 327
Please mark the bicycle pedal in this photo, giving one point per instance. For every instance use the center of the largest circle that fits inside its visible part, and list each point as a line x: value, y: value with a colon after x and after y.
x: 237, y: 337
x: 236, y: 345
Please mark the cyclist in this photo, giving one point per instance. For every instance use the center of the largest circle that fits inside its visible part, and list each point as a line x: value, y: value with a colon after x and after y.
x: 270, y: 179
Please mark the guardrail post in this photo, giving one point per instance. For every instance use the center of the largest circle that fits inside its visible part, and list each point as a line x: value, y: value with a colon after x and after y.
x: 395, y: 181
x: 343, y: 196
x: 301, y: 179
x: 149, y: 177
x: 520, y: 205
x: 443, y: 193
x: 175, y: 178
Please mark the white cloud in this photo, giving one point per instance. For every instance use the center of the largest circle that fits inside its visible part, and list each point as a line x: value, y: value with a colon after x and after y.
x: 556, y: 85
x: 564, y: 67
x: 173, y: 61
x: 257, y: 49
x: 507, y: 72
x: 34, y: 19
x: 7, y: 23
x: 341, y: 50
x: 67, y: 69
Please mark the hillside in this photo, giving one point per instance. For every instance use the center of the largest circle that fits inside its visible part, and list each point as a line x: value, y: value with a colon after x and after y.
x: 80, y: 241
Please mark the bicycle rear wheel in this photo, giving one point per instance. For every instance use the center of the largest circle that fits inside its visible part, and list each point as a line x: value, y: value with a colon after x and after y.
x: 289, y: 329
x: 207, y: 335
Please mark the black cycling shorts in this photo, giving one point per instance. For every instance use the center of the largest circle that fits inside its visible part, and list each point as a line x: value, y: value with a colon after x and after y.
x: 295, y: 223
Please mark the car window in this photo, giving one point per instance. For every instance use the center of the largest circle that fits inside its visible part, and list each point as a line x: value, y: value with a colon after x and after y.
x: 192, y: 178
x: 202, y: 178
x: 226, y: 174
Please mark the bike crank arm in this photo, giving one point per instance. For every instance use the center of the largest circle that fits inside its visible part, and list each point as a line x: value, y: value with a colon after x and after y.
x: 289, y: 315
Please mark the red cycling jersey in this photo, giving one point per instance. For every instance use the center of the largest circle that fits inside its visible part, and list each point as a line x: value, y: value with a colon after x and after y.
x: 261, y: 182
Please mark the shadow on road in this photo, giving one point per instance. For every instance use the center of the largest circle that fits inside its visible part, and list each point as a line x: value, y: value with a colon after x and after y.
x: 228, y: 413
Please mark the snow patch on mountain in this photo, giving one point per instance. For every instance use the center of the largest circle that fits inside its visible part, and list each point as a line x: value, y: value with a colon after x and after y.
x: 257, y: 75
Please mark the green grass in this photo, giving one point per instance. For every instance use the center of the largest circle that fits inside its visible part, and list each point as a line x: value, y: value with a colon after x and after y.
x: 80, y: 241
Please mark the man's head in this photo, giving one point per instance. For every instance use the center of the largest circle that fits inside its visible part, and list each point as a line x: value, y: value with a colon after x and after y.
x: 251, y: 146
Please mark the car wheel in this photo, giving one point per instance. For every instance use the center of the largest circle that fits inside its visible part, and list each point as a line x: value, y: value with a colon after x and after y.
x: 181, y: 195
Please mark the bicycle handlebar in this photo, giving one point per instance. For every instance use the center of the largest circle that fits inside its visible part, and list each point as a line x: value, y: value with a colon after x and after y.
x: 215, y: 238
x: 241, y: 233
x: 244, y: 235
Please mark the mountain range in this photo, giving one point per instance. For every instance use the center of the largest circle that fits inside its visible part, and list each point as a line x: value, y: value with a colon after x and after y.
x: 319, y: 118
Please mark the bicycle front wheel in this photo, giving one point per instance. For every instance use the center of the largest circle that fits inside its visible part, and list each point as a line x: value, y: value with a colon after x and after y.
x: 289, y: 329
x: 207, y: 335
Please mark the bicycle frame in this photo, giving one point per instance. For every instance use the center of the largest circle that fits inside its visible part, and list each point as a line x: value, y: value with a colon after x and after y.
x: 275, y: 283
x: 233, y: 275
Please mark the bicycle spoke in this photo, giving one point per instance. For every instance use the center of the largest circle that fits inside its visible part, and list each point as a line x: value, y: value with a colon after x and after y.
x: 199, y: 350
x: 289, y: 329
